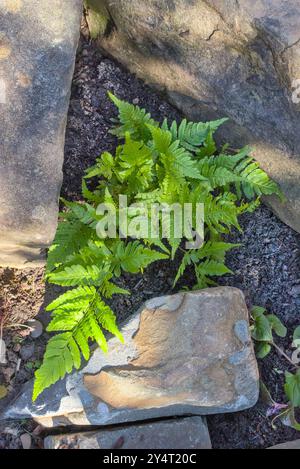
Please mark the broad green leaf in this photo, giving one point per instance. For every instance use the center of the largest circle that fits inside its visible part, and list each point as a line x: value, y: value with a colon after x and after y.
x: 292, y: 388
x: 277, y: 325
x: 262, y: 331
x: 263, y: 349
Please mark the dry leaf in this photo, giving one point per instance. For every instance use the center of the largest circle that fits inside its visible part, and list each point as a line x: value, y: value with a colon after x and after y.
x: 3, y: 392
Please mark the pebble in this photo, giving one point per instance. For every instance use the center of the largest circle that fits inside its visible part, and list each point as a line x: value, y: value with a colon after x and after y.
x: 27, y: 352
x: 26, y: 440
x: 37, y: 328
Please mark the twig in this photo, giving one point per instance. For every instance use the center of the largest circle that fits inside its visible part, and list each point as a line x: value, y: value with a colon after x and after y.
x: 19, y: 325
x: 281, y: 352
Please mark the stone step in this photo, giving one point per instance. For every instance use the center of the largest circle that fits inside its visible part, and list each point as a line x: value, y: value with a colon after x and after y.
x: 185, y: 433
x: 289, y: 445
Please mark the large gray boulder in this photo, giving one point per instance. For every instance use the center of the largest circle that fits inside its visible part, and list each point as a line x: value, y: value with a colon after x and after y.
x: 38, y: 41
x: 189, y: 353
x: 220, y: 58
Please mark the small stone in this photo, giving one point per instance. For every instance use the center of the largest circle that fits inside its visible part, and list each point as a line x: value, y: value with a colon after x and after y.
x: 36, y: 328
x: 26, y: 440
x: 3, y: 360
x: 289, y: 445
x: 8, y: 373
x: 17, y: 348
x: 186, y: 433
x: 27, y: 352
x: 295, y: 291
x: 135, y: 101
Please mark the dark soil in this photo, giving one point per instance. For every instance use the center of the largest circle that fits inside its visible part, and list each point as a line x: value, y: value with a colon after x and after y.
x: 267, y: 266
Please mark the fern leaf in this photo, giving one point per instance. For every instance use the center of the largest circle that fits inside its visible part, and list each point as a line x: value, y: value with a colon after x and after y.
x: 251, y: 180
x: 107, y: 319
x: 82, y: 339
x: 133, y: 120
x: 135, y: 162
x: 215, y: 250
x: 216, y: 175
x: 55, y: 365
x: 104, y: 167
x: 85, y: 213
x: 133, y: 257
x: 185, y: 262
x: 192, y: 135
x: 108, y: 289
x: 95, y: 331
x: 77, y: 275
x: 70, y: 236
x: 221, y: 213
x: 63, y: 352
x: 76, y: 297
x: 213, y: 268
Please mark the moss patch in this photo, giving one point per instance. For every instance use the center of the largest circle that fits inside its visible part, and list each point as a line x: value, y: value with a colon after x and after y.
x: 97, y: 17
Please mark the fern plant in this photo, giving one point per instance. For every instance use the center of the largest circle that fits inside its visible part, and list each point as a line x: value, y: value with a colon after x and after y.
x: 172, y: 164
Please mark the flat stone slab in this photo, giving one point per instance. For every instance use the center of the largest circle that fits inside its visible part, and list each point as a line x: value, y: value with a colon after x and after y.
x: 190, y: 353
x: 289, y: 445
x: 185, y: 433
x: 38, y: 41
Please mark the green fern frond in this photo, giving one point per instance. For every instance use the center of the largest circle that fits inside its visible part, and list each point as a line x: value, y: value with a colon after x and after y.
x: 135, y: 165
x: 59, y: 359
x: 214, y: 250
x: 77, y: 298
x: 221, y: 213
x: 70, y: 236
x: 77, y: 275
x: 213, y: 268
x: 63, y: 352
x: 133, y: 120
x: 251, y: 180
x: 133, y: 257
x: 108, y: 289
x: 104, y: 167
x: 216, y: 175
x: 207, y: 269
x: 190, y: 134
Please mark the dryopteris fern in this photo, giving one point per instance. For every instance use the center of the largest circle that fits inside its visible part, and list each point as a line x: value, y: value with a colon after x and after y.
x: 173, y: 164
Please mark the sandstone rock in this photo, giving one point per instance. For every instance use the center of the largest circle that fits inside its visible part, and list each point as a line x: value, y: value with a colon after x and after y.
x: 290, y: 445
x: 38, y: 42
x: 189, y: 353
x: 213, y: 58
x: 185, y: 433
